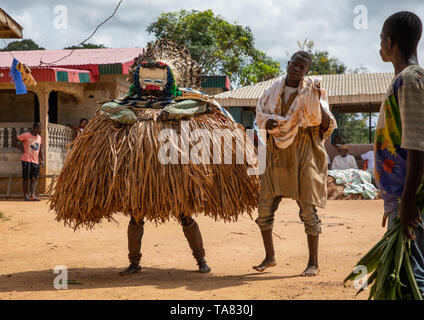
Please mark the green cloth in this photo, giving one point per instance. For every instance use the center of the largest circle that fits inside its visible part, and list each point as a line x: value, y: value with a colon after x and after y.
x: 119, y: 113
x: 185, y: 108
x: 355, y: 182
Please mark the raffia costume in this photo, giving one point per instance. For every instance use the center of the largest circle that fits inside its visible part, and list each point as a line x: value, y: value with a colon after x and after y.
x: 116, y: 165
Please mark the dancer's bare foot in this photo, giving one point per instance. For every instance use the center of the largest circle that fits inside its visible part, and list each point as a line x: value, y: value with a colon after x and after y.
x: 311, y: 271
x: 267, y: 263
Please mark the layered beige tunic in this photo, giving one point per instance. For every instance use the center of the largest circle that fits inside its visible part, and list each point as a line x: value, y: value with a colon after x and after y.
x: 296, y: 157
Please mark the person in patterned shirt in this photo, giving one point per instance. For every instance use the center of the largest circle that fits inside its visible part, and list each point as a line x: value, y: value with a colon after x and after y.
x: 399, y: 142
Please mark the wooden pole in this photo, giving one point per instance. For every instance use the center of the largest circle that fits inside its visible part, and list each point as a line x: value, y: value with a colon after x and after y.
x: 43, y: 98
x: 370, y: 127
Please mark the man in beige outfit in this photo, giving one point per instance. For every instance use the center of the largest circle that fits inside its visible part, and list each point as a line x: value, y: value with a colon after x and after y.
x: 295, y: 114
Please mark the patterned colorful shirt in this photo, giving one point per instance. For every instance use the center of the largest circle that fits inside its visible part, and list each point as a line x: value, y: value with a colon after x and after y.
x: 400, y: 127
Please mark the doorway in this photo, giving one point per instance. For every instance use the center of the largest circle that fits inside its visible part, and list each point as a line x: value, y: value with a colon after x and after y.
x: 53, y: 107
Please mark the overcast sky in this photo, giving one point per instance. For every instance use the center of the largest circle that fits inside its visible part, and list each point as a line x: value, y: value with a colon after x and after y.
x: 277, y: 24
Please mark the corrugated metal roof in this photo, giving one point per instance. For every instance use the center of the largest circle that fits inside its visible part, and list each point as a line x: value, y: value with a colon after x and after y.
x: 341, y: 89
x: 94, y: 61
x: 32, y: 58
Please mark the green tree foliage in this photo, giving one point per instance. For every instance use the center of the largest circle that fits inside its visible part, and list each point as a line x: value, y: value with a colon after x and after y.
x: 361, y: 69
x: 322, y: 63
x: 22, y: 45
x: 354, y: 128
x: 218, y: 46
x: 86, y: 46
x: 262, y: 68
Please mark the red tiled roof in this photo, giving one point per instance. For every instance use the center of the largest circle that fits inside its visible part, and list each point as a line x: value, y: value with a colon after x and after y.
x: 94, y: 62
x: 79, y: 57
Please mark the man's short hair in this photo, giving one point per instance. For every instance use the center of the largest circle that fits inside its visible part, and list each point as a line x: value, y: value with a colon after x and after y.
x: 36, y: 125
x: 83, y: 119
x: 304, y: 54
x: 343, y: 146
x: 405, y: 29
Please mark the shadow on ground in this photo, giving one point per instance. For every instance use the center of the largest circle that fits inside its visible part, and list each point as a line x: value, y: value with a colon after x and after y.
x: 92, y: 278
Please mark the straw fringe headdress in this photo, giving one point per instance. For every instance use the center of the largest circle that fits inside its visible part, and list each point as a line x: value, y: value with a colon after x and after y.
x: 187, y: 72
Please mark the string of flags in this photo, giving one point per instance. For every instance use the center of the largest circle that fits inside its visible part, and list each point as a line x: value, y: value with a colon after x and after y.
x: 21, y: 76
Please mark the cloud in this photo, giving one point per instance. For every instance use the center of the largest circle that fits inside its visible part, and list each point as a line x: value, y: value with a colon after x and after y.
x: 276, y: 24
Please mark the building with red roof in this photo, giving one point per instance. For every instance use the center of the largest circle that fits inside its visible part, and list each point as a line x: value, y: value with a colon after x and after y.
x: 69, y: 85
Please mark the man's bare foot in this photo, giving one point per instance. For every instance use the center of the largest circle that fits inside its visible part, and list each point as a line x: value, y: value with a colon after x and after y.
x: 267, y: 263
x: 132, y: 269
x: 311, y: 271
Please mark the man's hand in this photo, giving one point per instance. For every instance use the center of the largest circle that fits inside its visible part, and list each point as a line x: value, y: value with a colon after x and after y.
x: 317, y: 88
x: 271, y: 124
x: 41, y: 156
x: 409, y: 215
x: 325, y: 121
x: 385, y: 217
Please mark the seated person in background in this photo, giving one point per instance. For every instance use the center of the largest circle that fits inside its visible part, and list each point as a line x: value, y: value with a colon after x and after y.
x: 344, y: 161
x: 369, y: 157
x: 82, y: 123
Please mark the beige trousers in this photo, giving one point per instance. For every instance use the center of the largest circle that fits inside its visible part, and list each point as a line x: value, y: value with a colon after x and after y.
x: 307, y: 213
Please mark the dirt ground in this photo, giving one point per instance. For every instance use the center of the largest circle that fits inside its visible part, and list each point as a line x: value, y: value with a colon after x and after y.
x: 32, y: 244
